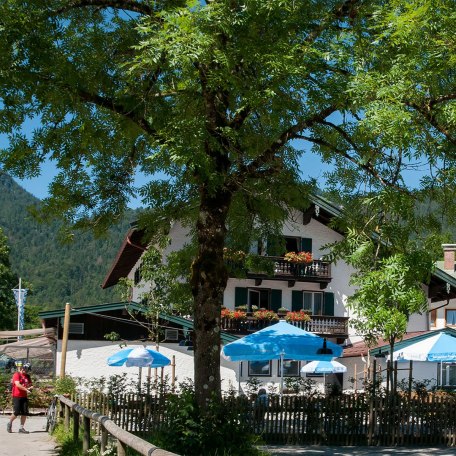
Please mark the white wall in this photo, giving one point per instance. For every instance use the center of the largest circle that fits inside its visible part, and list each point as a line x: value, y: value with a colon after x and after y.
x: 88, y: 359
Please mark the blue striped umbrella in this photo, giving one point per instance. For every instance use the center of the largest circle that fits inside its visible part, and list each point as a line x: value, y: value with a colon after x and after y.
x: 323, y: 367
x: 138, y: 357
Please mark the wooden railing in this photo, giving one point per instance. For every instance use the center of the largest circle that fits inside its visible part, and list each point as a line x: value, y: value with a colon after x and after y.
x: 347, y: 419
x: 105, y: 426
x: 316, y: 269
x: 318, y: 324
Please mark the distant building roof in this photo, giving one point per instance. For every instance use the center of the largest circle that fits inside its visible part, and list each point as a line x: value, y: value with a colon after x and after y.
x: 361, y: 349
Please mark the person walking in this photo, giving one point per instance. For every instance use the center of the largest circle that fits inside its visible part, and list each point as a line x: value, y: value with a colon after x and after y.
x: 21, y: 386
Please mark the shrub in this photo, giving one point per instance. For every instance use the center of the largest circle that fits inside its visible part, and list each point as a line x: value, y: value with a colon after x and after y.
x: 216, y: 431
x: 297, y: 316
x: 266, y: 315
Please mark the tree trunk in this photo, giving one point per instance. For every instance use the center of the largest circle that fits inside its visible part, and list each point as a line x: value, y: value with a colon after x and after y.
x: 208, y: 281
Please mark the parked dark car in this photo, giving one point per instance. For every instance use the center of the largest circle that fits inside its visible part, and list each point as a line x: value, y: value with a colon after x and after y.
x: 7, y: 363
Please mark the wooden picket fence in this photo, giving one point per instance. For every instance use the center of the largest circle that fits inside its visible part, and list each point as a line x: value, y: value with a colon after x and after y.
x: 348, y: 419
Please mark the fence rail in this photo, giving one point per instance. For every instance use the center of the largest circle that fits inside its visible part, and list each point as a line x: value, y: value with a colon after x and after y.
x: 339, y: 420
x: 105, y: 426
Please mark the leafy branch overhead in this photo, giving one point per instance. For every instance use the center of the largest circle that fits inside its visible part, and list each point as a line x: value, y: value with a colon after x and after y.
x: 220, y: 104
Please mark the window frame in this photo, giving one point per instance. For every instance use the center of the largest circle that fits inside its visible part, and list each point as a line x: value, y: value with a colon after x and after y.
x: 279, y: 368
x: 250, y: 374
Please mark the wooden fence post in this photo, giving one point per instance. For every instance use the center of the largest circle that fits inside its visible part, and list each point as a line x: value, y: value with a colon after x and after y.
x: 372, y: 416
x: 121, y: 448
x: 86, y: 436
x: 67, y: 417
x: 75, y: 425
x: 104, y: 439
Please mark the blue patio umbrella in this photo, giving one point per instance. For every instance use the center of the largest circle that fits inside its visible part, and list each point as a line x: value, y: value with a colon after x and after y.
x: 323, y: 367
x: 281, y: 341
x: 138, y: 357
x: 439, y: 348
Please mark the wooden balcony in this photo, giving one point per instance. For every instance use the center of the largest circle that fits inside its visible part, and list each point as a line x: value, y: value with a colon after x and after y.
x: 317, y: 271
x: 325, y: 326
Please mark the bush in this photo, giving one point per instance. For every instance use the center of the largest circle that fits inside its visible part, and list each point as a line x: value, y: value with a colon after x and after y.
x: 217, y: 431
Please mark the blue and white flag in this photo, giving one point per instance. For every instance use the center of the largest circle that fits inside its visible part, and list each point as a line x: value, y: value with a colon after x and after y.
x: 19, y: 295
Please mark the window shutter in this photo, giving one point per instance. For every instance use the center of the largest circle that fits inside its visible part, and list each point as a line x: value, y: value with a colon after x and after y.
x: 296, y: 300
x: 240, y: 296
x: 306, y: 244
x: 329, y: 304
x: 276, y: 300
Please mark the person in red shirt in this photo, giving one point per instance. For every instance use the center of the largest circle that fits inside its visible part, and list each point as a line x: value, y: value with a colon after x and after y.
x: 21, y: 386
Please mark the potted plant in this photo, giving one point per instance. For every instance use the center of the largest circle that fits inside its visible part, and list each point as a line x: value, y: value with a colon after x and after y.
x: 297, y: 316
x: 282, y: 311
x: 299, y: 257
x: 265, y: 315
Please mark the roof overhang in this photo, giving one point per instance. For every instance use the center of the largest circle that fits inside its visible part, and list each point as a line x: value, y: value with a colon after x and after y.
x: 406, y: 341
x: 129, y: 253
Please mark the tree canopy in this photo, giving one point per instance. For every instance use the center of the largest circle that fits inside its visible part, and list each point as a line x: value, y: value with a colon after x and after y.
x: 8, y: 312
x: 219, y: 103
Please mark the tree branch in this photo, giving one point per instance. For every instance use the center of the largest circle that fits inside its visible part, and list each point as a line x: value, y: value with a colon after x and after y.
x: 365, y: 166
x: 117, y: 108
x: 129, y: 5
x: 427, y: 113
x: 250, y: 170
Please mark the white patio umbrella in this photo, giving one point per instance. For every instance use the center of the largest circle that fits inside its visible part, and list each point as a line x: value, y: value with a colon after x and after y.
x: 138, y: 357
x: 438, y: 348
x: 323, y: 367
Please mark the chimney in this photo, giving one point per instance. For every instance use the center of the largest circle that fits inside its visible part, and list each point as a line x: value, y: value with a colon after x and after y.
x: 448, y: 256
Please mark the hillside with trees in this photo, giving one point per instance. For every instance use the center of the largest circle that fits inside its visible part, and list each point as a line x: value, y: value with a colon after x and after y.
x: 56, y: 272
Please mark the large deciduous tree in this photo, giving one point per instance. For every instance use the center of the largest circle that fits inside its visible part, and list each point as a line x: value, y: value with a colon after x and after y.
x: 217, y: 102
x: 8, y: 280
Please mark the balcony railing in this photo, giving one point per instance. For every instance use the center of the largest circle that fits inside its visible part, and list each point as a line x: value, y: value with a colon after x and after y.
x: 316, y: 268
x: 319, y: 324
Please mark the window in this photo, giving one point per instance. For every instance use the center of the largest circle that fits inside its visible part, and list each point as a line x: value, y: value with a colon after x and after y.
x: 312, y: 302
x: 137, y: 277
x: 76, y: 328
x: 290, y: 368
x: 270, y: 299
x: 451, y: 317
x: 259, y: 298
x: 259, y: 368
x: 448, y: 374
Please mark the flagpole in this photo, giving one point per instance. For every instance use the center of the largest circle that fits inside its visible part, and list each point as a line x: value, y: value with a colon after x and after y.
x: 19, y: 309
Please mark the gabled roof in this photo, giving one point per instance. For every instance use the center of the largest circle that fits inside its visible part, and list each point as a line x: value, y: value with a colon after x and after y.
x: 406, y: 341
x: 129, y: 253
x: 184, y: 323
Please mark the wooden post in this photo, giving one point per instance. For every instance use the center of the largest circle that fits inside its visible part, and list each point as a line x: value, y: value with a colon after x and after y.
x: 75, y: 425
x: 67, y: 417
x: 372, y: 417
x: 121, y: 448
x: 410, y: 380
x: 173, y: 373
x: 86, y: 436
x: 104, y: 439
x: 66, y: 328
x: 355, y: 385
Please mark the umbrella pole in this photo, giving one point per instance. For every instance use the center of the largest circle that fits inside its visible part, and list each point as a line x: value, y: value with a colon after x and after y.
x: 281, y: 374
x: 139, y: 381
x: 239, y: 376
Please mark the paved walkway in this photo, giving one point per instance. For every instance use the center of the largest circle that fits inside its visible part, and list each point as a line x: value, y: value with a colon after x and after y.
x: 313, y: 450
x: 37, y: 443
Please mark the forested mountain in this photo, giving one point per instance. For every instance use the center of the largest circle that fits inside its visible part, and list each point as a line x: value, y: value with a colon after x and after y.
x: 58, y: 273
